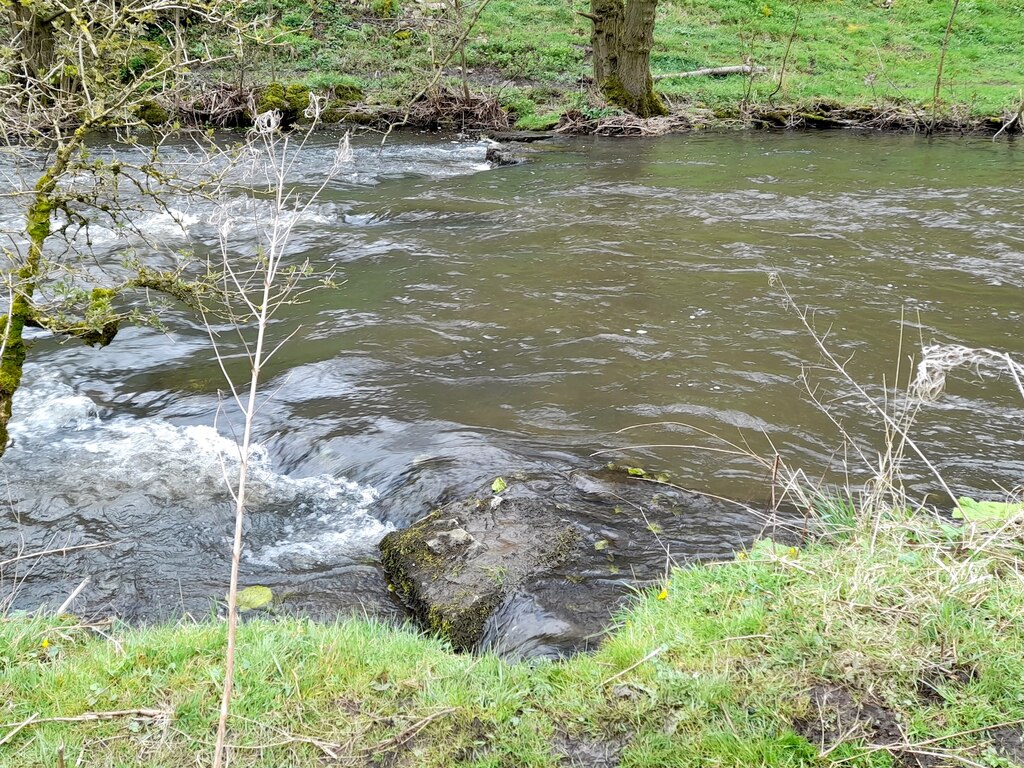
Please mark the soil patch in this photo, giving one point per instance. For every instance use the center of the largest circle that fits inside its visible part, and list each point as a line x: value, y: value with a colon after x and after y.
x: 1008, y: 741
x: 587, y: 753
x: 835, y: 716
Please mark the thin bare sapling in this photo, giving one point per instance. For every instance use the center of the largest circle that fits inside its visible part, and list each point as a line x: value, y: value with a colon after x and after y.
x: 257, y: 284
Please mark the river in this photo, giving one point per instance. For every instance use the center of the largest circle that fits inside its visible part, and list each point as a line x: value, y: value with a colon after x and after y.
x: 493, y: 320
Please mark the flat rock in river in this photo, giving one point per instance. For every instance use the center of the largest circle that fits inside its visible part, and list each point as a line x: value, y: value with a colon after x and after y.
x: 522, y: 137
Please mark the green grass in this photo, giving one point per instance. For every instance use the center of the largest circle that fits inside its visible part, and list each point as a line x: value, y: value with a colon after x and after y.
x: 851, y: 53
x: 920, y: 619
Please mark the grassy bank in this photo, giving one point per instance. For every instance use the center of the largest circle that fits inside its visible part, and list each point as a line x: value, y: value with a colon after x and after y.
x: 873, y: 59
x: 898, y: 643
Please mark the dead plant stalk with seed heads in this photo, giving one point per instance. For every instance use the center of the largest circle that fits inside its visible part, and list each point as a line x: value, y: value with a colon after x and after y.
x: 256, y: 286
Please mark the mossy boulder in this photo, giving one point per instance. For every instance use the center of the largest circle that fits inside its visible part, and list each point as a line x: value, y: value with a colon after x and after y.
x: 290, y: 100
x: 346, y: 93
x: 456, y: 566
x: 538, y: 565
x: 152, y: 112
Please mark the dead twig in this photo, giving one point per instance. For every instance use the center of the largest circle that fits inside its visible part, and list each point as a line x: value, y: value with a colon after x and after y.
x: 401, y: 738
x: 149, y: 714
x: 17, y: 728
x: 660, y: 649
x: 71, y: 598
x: 88, y: 717
x: 1008, y: 124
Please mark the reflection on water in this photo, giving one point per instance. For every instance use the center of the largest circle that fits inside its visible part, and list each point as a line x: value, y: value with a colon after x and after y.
x: 517, y: 318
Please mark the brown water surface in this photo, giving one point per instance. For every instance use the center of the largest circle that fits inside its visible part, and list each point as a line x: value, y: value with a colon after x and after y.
x: 517, y: 318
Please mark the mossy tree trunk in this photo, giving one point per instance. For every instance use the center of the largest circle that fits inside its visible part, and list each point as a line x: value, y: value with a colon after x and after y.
x: 38, y: 223
x: 622, y: 37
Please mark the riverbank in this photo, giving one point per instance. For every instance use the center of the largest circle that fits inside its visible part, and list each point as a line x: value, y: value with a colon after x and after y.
x: 896, y: 642
x: 527, y: 64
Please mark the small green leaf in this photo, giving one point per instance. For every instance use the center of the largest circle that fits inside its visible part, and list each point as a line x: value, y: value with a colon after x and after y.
x: 951, y: 532
x: 636, y: 472
x: 768, y: 549
x: 499, y: 485
x: 980, y: 511
x: 601, y: 545
x: 251, y: 598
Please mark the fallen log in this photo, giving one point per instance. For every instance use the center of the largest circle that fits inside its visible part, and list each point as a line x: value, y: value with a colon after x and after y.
x: 739, y: 69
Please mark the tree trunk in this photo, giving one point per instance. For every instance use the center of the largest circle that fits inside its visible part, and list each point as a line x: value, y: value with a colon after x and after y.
x: 622, y: 38
x: 34, y: 26
x: 12, y: 356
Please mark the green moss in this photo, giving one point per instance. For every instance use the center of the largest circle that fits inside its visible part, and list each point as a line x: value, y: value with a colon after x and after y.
x: 461, y: 625
x: 102, y: 322
x: 347, y: 93
x: 13, y: 360
x: 297, y: 97
x: 403, y: 546
x: 342, y: 96
x: 384, y: 9
x: 646, y: 104
x: 38, y: 222
x: 290, y: 100
x: 187, y: 292
x: 272, y: 97
x: 543, y: 122
x: 151, y: 113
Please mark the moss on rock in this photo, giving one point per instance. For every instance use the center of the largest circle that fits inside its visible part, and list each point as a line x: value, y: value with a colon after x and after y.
x: 290, y: 100
x: 152, y: 113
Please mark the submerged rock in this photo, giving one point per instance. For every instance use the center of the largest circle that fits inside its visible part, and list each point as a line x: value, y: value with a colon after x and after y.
x: 499, y: 154
x: 540, y: 568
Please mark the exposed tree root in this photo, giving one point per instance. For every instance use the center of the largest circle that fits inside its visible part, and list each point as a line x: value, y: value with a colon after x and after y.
x: 576, y: 122
x: 446, y: 109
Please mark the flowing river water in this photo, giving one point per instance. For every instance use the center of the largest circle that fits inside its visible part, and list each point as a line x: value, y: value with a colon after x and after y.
x: 494, y: 320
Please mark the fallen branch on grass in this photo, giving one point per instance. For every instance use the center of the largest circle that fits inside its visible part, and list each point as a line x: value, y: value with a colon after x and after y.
x: 739, y: 69
x: 631, y: 667
x: 146, y: 714
x: 401, y: 738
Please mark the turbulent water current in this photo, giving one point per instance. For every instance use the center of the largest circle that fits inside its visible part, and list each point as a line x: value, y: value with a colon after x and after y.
x: 492, y: 320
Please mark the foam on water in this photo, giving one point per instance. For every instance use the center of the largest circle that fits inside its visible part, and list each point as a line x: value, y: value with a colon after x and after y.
x: 49, y: 405
x: 182, y: 467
